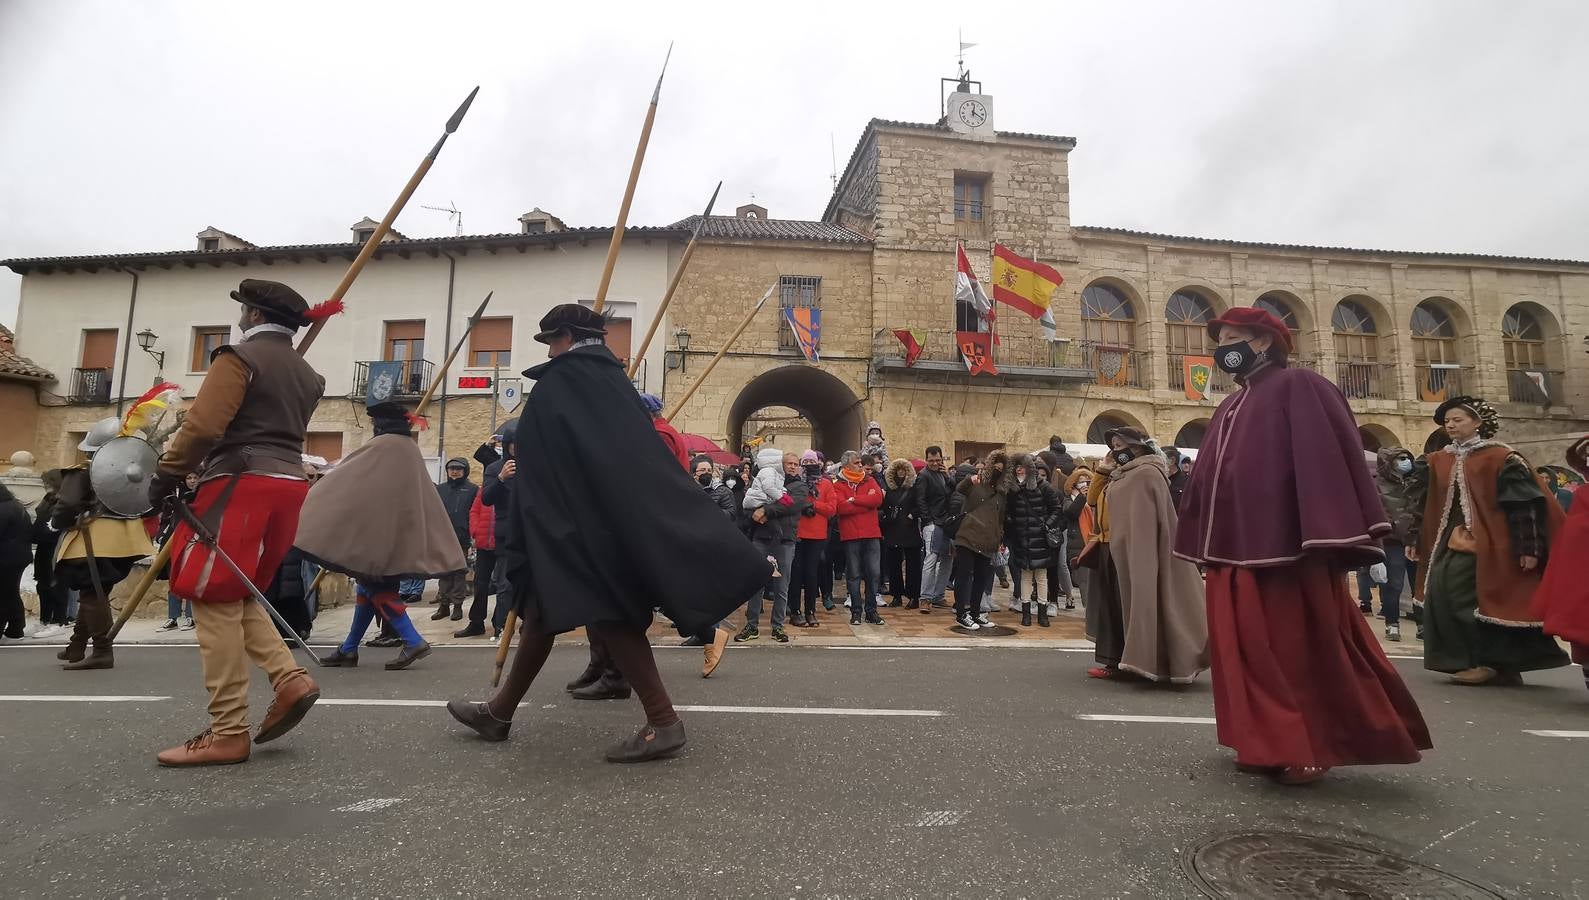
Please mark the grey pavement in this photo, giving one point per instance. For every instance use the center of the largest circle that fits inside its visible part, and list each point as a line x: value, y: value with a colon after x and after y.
x: 1004, y: 792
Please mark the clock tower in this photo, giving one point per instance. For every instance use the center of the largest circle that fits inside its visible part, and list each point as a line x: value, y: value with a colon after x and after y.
x: 968, y: 113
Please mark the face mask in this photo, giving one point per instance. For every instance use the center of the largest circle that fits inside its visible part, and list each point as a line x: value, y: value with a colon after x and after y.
x: 1083, y: 486
x: 1404, y: 466
x: 1122, y: 457
x: 705, y: 479
x: 1235, y: 358
x: 878, y: 468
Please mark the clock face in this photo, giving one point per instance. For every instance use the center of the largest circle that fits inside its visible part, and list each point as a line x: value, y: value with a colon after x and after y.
x: 973, y: 113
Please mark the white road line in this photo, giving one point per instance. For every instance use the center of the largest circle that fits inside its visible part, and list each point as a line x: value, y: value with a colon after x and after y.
x: 343, y: 701
x: 858, y: 647
x: 81, y: 698
x: 1174, y: 720
x: 814, y: 711
x: 1558, y: 734
x: 370, y: 805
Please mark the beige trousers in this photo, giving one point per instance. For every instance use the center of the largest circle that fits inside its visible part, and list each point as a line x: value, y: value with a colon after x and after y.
x: 231, y: 634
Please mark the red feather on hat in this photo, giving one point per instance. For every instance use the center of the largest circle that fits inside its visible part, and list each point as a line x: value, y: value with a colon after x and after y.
x: 324, y: 310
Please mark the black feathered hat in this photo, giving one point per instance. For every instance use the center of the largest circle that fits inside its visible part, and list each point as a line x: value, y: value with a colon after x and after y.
x: 1489, y: 419
x: 580, y: 321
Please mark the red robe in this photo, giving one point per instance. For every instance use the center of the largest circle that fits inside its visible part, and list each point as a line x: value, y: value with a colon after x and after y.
x: 1299, y: 679
x: 1562, y: 600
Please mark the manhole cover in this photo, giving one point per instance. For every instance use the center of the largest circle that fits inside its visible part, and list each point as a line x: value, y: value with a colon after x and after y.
x: 1276, y: 865
x: 984, y: 631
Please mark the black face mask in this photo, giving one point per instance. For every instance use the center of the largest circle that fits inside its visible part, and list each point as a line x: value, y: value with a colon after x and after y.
x: 705, y: 479
x: 1123, y: 456
x: 1235, y: 358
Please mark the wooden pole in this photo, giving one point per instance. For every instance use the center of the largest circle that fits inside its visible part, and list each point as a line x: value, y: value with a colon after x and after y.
x: 386, y: 223
x: 700, y: 379
x: 140, y: 589
x: 628, y: 193
x: 503, y: 643
x: 441, y: 376
x: 673, y: 284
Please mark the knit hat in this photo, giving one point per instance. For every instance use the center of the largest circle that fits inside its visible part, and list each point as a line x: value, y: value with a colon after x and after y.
x: 809, y: 457
x: 653, y: 403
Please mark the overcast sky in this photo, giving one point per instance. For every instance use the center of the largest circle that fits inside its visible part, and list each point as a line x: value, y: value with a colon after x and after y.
x: 1436, y: 125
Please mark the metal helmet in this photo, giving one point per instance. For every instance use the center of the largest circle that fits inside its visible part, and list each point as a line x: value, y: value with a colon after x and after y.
x: 120, y: 473
x: 103, y: 432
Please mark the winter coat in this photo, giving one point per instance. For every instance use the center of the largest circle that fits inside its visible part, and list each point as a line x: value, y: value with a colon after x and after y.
x: 982, y: 529
x: 482, y: 523
x: 766, y: 486
x: 877, y: 445
x: 1077, y: 519
x: 673, y: 440
x: 1033, y: 507
x: 1401, y: 494
x: 783, y: 519
x: 858, y: 505
x: 458, y: 496
x: 16, y: 532
x: 45, y: 540
x: 824, y: 505
x: 724, y: 498
x: 496, y: 494
x: 1060, y: 463
x: 898, y: 521
x: 932, y: 493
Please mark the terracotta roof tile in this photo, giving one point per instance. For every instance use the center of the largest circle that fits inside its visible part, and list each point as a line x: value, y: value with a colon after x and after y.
x: 18, y: 366
x: 734, y: 227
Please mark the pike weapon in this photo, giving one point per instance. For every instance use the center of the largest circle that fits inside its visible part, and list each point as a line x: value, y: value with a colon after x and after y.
x: 701, y: 378
x: 380, y: 231
x: 673, y: 284
x: 503, y: 643
x: 441, y: 374
x: 628, y: 193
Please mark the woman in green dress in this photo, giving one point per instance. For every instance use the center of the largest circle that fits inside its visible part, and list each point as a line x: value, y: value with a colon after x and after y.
x: 1483, y: 538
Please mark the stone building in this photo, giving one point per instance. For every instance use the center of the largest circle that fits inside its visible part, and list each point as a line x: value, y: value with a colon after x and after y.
x: 1395, y: 330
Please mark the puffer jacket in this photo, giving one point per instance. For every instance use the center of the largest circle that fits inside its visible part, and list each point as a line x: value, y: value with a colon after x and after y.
x: 824, y: 505
x: 983, y: 503
x: 482, y: 523
x: 458, y: 496
x: 1400, y: 495
x: 1032, y: 508
x: 898, y: 516
x: 857, y: 508
x: 16, y: 532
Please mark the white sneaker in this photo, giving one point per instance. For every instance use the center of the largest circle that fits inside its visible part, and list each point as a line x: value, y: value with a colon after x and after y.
x: 966, y: 622
x: 170, y: 625
x: 188, y: 624
x: 34, y: 629
x: 982, y: 621
x: 49, y: 631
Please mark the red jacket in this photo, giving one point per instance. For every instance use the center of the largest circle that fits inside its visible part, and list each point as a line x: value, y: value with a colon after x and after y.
x: 857, y: 508
x: 482, y: 524
x: 815, y: 527
x: 674, y: 441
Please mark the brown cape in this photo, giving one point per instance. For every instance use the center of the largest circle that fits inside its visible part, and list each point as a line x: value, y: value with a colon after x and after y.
x: 1161, y: 595
x: 377, y: 517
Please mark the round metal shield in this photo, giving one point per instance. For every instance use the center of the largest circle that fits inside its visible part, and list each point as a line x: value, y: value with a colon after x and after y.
x: 120, y: 473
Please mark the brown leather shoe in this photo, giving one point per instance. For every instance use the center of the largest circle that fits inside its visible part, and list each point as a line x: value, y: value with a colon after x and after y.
x: 478, y: 716
x: 208, y: 749
x: 294, y: 697
x: 648, y: 743
x: 409, y: 656
x: 1475, y: 676
x: 714, y: 652
x: 99, y: 659
x: 73, y: 652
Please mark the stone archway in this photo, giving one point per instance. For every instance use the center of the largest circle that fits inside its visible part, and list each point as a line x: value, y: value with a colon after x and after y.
x: 1106, y: 421
x: 1377, y: 437
x: 1437, y: 440
x: 1191, y: 435
x: 823, y: 400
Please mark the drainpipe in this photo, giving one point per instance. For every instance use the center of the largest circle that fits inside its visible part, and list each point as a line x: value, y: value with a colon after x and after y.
x: 126, y: 340
x: 446, y: 346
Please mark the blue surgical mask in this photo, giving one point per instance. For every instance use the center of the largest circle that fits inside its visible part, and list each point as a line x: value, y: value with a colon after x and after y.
x: 1404, y: 466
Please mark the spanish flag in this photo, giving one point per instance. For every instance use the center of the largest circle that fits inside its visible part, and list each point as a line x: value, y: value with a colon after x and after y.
x: 1025, y: 284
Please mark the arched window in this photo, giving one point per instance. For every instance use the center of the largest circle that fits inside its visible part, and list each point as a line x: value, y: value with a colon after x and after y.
x: 1434, y: 353
x: 1186, y: 331
x: 1523, y: 337
x: 1107, y: 317
x: 1280, y: 307
x: 1358, y: 371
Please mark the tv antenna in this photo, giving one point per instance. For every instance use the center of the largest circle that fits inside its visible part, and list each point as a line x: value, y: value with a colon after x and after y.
x: 454, y: 215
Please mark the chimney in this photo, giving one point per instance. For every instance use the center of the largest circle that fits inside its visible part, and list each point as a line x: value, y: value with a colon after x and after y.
x: 751, y: 211
x: 539, y: 221
x: 212, y: 238
x: 363, y: 228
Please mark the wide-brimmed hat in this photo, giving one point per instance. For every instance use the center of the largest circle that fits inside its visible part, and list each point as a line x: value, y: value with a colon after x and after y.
x: 1253, y: 317
x: 574, y: 318
x: 283, y: 302
x: 1489, y: 419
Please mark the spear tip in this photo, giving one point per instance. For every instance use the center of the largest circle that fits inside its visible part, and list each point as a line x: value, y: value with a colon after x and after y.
x: 457, y: 117
x: 713, y: 202
x: 657, y: 94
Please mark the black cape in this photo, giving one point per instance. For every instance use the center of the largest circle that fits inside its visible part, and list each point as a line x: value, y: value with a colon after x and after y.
x: 611, y: 524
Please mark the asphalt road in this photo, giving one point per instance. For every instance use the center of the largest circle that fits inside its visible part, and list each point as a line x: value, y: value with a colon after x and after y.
x: 1004, y: 792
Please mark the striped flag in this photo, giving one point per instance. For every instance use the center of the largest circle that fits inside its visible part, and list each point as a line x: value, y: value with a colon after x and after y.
x: 1027, y: 285
x: 806, y: 323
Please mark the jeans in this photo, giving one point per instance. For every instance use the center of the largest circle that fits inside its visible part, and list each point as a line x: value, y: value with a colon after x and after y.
x: 176, y: 606
x: 808, y: 575
x: 778, y: 585
x: 862, y: 563
x: 902, y: 571
x: 411, y: 587
x: 936, y: 554
x: 1389, y: 592
x: 71, y: 604
x: 973, y: 581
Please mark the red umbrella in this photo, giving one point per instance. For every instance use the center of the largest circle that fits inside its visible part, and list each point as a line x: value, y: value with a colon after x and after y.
x: 697, y: 445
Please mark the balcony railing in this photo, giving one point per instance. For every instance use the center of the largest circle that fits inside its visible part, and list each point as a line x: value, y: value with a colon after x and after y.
x: 1366, y: 380
x: 1433, y: 384
x: 1522, y: 388
x: 411, y: 376
x: 90, y: 386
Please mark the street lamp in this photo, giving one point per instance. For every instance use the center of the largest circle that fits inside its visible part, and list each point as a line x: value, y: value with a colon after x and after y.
x: 146, y: 339
x: 681, y: 339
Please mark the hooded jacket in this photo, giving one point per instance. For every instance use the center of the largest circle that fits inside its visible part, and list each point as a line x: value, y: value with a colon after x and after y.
x: 1032, y: 508
x: 482, y: 523
x: 877, y: 445
x: 898, y: 517
x: 983, y: 502
x: 16, y: 532
x: 1399, y: 493
x: 824, y: 504
x: 458, y: 496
